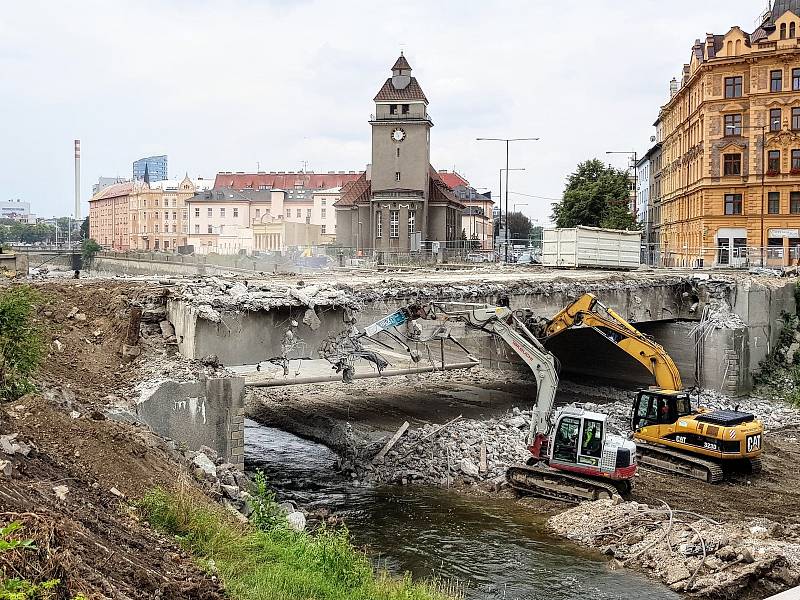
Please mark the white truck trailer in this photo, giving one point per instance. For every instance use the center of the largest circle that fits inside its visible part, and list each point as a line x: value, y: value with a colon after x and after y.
x: 591, y: 247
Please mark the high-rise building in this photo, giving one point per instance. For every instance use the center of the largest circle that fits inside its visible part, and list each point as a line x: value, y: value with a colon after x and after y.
x: 401, y: 202
x: 104, y: 182
x: 730, y: 157
x: 154, y: 166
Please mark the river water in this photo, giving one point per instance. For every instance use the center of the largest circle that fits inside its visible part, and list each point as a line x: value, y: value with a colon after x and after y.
x: 493, y: 546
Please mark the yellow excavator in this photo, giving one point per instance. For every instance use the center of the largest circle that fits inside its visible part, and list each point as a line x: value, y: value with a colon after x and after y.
x: 670, y: 435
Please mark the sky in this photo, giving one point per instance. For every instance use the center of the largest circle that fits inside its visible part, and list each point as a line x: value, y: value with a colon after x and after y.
x: 234, y: 84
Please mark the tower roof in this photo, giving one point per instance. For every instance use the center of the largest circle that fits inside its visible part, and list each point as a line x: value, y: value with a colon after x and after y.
x: 412, y: 91
x: 781, y: 6
x: 401, y: 63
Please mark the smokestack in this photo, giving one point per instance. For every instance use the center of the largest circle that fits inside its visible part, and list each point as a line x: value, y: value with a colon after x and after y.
x: 673, y: 87
x: 78, y: 179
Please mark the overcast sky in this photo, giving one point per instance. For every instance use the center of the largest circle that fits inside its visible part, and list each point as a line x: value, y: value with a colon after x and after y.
x: 226, y: 85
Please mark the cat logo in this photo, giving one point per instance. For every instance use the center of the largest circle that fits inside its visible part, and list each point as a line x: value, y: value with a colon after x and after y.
x: 753, y: 442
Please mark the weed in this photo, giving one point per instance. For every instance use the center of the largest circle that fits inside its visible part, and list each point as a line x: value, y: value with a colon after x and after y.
x: 266, y: 513
x: 276, y: 562
x: 21, y: 345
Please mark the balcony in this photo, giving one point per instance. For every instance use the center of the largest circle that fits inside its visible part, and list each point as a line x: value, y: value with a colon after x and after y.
x: 400, y: 117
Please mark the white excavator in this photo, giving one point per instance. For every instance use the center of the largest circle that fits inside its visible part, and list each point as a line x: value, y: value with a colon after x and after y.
x: 573, y: 455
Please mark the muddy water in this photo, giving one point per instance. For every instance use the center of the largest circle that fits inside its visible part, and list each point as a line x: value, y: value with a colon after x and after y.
x: 493, y: 546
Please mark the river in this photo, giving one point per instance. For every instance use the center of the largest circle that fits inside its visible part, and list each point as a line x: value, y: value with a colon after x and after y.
x: 495, y: 547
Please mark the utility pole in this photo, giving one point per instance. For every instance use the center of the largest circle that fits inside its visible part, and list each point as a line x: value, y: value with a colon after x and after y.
x: 507, y: 142
x: 500, y: 201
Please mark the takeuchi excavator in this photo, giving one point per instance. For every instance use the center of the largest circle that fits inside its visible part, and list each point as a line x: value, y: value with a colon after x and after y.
x: 574, y: 456
x: 670, y: 435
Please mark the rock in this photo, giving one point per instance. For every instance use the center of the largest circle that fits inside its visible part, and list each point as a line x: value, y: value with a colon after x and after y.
x: 210, y: 453
x: 744, y: 555
x: 130, y: 352
x: 726, y: 553
x: 167, y: 330
x: 6, y: 468
x: 758, y: 532
x: 80, y: 317
x: 233, y: 510
x: 518, y: 422
x: 205, y: 464
x: 211, y: 360
x: 469, y: 468
x: 72, y: 312
x: 311, y: 319
x: 61, y: 492
x: 288, y: 507
x: 116, y: 492
x: 58, y: 346
x: 296, y: 520
x: 714, y: 563
x: 7, y: 444
x: 676, y: 574
x: 231, y: 491
x: 75, y: 414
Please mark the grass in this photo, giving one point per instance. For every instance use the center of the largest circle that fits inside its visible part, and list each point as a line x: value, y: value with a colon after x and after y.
x: 278, y: 563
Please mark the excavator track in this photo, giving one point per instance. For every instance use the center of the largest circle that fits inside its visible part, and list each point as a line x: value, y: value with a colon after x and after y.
x: 755, y: 465
x: 543, y: 481
x: 674, y: 461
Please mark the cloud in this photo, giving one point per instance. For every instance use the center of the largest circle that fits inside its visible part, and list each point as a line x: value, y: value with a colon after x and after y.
x: 222, y: 85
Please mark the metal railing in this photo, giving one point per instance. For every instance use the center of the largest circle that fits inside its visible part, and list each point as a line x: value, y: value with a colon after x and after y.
x: 400, y: 117
x: 726, y: 257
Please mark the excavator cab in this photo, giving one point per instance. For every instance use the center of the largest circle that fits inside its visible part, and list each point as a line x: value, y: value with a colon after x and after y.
x: 659, y: 407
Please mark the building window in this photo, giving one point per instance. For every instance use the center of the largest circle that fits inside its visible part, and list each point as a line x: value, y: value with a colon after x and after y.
x: 412, y: 219
x: 322, y: 231
x: 774, y: 161
x: 733, y: 87
x: 156, y: 216
x: 288, y: 213
x: 197, y: 212
x: 405, y: 109
x: 196, y: 228
x: 308, y: 212
x: 393, y: 109
x: 398, y: 151
x: 235, y: 212
x: 783, y: 31
x: 733, y: 204
x: 795, y: 118
x: 397, y: 176
x: 184, y: 228
x: 733, y: 124
x: 775, y: 119
x: 174, y: 215
x: 322, y: 212
x: 155, y: 202
x: 210, y: 212
x: 796, y: 79
x: 732, y: 164
x: 775, y: 81
x: 323, y: 202
x: 394, y: 223
x: 299, y: 213
x: 791, y: 29
x: 156, y: 227
x: 794, y: 202
x: 774, y: 203
x: 258, y: 212
x: 378, y: 224
x: 210, y: 229
x: 222, y: 212
x: 795, y: 161
x: 184, y: 214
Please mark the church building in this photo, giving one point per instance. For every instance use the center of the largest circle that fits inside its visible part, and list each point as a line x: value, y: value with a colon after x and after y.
x: 400, y: 204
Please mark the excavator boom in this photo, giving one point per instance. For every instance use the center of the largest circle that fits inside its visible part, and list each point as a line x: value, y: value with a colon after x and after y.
x: 588, y: 311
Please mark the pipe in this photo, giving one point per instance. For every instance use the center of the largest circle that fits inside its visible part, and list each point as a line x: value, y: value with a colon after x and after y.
x: 371, y: 375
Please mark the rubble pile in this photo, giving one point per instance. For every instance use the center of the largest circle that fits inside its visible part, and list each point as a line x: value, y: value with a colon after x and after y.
x: 686, y: 550
x: 211, y: 295
x: 460, y: 452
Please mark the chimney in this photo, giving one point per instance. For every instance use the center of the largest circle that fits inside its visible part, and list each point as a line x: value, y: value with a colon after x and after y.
x: 711, y: 51
x: 78, y: 180
x: 673, y: 87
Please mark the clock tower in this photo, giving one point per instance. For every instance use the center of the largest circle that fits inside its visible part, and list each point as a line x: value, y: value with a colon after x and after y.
x: 400, y: 161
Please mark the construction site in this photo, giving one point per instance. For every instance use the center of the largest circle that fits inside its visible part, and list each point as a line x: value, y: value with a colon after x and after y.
x: 513, y: 431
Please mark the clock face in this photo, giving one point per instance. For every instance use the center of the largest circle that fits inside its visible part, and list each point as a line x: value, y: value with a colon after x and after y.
x: 398, y: 135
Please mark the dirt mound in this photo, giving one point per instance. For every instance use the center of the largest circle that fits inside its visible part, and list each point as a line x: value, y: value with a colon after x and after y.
x: 85, y: 532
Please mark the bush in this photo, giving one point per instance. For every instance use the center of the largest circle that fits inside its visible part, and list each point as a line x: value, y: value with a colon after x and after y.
x: 21, y: 345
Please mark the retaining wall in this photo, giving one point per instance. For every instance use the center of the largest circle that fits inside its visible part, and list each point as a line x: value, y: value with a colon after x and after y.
x: 208, y: 412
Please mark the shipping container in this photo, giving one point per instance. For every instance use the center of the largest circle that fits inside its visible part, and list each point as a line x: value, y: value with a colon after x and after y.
x: 591, y: 247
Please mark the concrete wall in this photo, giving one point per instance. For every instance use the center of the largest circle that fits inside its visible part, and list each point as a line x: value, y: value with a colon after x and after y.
x: 209, y: 413
x: 247, y: 337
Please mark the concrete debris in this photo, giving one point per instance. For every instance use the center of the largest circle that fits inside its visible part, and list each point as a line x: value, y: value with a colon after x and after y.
x: 116, y: 492
x: 80, y: 317
x: 167, y: 330
x: 6, y: 468
x: 61, y: 492
x: 58, y: 346
x: 296, y: 521
x: 10, y: 445
x: 434, y: 455
x: 71, y: 314
x: 205, y: 464
x: 311, y: 319
x: 689, y: 552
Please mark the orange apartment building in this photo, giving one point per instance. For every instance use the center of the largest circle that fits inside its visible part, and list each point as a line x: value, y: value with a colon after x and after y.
x: 730, y: 166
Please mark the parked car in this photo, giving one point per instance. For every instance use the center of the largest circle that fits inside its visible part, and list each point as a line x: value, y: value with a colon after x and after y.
x: 478, y: 257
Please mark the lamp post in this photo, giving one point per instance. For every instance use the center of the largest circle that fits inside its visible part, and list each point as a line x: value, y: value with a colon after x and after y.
x: 500, y: 199
x: 507, y: 141
x: 515, y: 205
x: 763, y: 128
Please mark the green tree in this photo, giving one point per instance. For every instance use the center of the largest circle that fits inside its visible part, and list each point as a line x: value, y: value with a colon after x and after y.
x: 596, y: 196
x: 519, y: 228
x: 89, y: 248
x: 21, y: 344
x: 85, y: 229
x: 537, y: 234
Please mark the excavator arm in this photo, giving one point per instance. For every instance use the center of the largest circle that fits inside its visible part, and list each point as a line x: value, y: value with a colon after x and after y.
x: 588, y: 311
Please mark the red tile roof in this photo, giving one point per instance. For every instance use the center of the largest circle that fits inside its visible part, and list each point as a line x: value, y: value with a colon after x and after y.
x: 355, y: 192
x: 401, y: 64
x: 284, y: 181
x: 412, y: 91
x: 116, y: 190
x: 453, y: 179
x: 439, y: 190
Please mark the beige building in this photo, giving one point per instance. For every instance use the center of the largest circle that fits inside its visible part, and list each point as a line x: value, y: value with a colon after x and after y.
x: 730, y: 160
x: 109, y: 215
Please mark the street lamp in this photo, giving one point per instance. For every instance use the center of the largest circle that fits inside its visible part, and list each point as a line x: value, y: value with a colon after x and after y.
x: 500, y: 199
x: 763, y: 128
x: 507, y: 141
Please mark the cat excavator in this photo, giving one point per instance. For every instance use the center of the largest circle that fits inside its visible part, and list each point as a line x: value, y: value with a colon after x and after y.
x: 574, y: 456
x: 670, y: 435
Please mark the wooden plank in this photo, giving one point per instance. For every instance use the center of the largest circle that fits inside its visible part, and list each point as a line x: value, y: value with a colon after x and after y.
x: 390, y: 444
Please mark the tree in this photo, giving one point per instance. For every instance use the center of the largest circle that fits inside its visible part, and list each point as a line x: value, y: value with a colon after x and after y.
x: 537, y: 235
x: 596, y: 196
x: 85, y: 229
x: 519, y: 227
x: 89, y: 248
x: 21, y: 344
